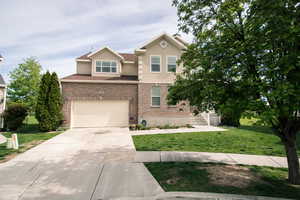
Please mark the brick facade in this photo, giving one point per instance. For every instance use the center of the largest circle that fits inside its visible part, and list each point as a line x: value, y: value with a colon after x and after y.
x: 100, y: 91
x: 165, y: 114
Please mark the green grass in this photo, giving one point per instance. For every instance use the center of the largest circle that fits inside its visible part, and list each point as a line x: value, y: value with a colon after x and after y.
x: 248, y: 121
x: 195, y: 177
x: 244, y: 140
x: 29, y: 133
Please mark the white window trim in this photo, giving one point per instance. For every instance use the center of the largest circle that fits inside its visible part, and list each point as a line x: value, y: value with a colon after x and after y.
x: 156, y: 106
x: 117, y: 66
x: 167, y: 63
x: 160, y: 63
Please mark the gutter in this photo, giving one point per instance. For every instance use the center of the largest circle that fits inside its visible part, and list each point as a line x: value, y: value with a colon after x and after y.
x: 98, y: 81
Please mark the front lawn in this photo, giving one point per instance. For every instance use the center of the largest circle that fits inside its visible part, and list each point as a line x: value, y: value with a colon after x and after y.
x: 219, y: 178
x: 28, y: 137
x: 243, y: 140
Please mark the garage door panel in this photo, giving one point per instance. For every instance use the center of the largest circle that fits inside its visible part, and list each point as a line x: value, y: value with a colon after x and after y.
x: 100, y: 113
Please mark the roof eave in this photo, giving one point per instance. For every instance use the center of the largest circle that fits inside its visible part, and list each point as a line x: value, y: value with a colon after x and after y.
x: 83, y: 60
x: 112, y: 51
x: 179, y: 44
x: 98, y: 81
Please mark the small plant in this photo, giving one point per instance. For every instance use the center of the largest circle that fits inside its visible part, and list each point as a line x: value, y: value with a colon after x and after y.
x: 167, y: 126
x: 135, y: 127
x: 189, y: 126
x: 145, y: 128
x: 138, y: 127
x: 132, y: 127
x: 14, y: 116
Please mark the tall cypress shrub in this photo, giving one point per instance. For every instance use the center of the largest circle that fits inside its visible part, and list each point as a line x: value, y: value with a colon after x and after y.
x: 55, y: 102
x: 42, y: 113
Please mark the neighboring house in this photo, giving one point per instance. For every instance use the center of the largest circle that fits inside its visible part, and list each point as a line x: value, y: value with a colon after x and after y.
x: 2, y: 96
x: 118, y: 89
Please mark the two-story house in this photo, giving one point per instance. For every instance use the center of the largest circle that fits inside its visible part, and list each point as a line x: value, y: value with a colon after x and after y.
x: 118, y: 89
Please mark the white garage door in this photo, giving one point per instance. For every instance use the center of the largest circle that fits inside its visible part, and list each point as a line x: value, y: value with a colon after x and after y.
x: 100, y: 113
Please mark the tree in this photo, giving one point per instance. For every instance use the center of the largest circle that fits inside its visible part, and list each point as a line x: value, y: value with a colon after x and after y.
x: 244, y: 57
x: 24, y: 84
x: 14, y: 116
x: 49, y: 103
x: 55, y: 102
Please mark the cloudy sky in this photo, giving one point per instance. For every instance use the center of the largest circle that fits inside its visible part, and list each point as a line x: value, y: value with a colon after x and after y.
x: 56, y: 32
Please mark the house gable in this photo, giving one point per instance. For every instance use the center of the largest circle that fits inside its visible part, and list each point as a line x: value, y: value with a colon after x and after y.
x: 108, y: 55
x: 91, y: 55
x: 162, y: 47
x: 166, y: 37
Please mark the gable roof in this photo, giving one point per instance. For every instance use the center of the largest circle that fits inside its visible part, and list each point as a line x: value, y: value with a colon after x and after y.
x: 180, y: 39
x: 107, y: 48
x: 171, y: 38
x: 84, y: 57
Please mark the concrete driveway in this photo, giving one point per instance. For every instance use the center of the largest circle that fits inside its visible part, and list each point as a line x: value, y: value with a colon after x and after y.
x: 85, y: 164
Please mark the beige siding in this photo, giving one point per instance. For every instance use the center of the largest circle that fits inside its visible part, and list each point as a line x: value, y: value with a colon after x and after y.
x: 163, y: 76
x: 130, y: 69
x: 84, y: 68
x: 109, y: 56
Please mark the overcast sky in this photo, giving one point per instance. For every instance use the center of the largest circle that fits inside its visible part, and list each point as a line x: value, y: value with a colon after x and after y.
x: 55, y: 32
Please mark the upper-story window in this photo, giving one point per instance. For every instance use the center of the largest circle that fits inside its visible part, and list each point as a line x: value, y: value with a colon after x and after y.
x: 171, y: 63
x: 155, y: 63
x: 106, y: 66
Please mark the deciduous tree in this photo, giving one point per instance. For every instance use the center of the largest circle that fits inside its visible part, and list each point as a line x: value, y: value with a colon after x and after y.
x: 244, y: 57
x: 24, y: 84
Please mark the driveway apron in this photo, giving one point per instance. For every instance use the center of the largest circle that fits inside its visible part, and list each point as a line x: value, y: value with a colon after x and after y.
x: 88, y: 164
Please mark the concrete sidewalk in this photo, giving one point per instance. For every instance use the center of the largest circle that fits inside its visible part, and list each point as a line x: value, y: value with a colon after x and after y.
x: 79, y: 164
x: 227, y: 158
x: 179, y: 130
x: 204, y: 196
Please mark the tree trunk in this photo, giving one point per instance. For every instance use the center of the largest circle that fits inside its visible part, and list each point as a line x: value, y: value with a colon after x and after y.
x: 293, y: 162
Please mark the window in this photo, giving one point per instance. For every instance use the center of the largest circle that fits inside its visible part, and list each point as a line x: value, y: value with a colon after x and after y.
x: 106, y: 66
x: 155, y: 63
x: 171, y: 62
x: 155, y: 96
x: 98, y: 66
